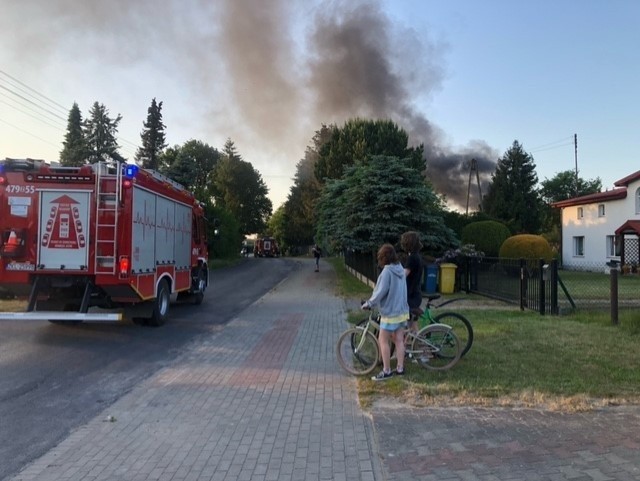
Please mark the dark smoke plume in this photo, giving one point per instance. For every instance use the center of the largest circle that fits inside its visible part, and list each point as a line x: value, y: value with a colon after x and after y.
x: 362, y: 65
x: 267, y: 74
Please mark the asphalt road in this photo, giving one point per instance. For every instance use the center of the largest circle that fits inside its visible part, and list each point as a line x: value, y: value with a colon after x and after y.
x: 54, y: 378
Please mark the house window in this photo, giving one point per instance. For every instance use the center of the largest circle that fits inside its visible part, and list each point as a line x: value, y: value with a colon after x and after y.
x: 578, y: 246
x: 613, y: 246
x: 638, y: 200
x: 580, y: 213
x: 600, y: 210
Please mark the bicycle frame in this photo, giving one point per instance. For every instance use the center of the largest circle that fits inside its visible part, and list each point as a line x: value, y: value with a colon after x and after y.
x: 426, y: 317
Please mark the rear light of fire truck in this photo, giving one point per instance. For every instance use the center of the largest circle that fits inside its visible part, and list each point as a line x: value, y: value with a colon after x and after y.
x: 3, y: 177
x: 123, y: 266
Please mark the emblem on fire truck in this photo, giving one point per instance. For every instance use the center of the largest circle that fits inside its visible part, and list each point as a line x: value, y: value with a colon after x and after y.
x: 64, y: 226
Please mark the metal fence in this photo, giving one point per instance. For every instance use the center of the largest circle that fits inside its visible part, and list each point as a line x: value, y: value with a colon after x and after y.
x: 529, y: 283
x: 533, y: 284
x: 362, y: 264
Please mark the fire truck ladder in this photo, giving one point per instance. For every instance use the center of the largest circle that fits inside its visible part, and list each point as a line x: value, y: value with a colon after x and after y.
x: 108, y: 192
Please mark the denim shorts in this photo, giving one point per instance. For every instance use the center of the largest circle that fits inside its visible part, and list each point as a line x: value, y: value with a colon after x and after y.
x: 392, y: 326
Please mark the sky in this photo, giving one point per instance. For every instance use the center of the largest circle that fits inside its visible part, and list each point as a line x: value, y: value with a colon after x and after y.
x: 466, y: 78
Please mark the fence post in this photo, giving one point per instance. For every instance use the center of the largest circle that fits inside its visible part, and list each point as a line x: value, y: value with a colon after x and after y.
x: 614, y: 296
x: 374, y: 262
x: 464, y: 275
x: 553, y: 291
x: 541, y: 279
x: 523, y: 285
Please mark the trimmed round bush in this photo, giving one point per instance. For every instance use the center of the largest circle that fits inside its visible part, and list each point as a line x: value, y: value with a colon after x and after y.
x: 487, y: 236
x: 527, y: 246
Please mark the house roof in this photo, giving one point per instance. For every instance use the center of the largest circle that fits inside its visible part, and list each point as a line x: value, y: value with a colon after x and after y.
x: 624, y: 182
x: 613, y: 194
x: 631, y: 226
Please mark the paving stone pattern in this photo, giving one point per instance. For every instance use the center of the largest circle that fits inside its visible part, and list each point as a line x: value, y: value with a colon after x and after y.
x: 263, y: 398
x: 509, y: 444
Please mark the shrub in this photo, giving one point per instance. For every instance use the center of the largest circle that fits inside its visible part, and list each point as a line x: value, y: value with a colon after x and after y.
x: 486, y: 235
x: 527, y: 246
x: 457, y: 256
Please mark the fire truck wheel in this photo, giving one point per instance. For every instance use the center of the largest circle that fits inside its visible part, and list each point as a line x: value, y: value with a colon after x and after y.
x: 198, y: 296
x: 161, y: 305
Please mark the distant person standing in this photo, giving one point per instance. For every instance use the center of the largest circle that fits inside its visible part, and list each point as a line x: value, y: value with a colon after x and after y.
x: 317, y: 253
x: 410, y: 243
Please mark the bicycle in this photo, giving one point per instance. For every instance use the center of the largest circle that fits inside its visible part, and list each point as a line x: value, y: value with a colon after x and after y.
x: 457, y: 322
x: 435, y: 347
x: 460, y: 324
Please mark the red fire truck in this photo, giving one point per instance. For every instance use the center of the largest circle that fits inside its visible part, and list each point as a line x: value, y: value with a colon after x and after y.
x: 266, y: 247
x: 98, y: 242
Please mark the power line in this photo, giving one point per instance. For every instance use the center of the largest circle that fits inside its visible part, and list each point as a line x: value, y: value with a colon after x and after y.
x: 19, y: 93
x: 553, y: 145
x: 29, y: 90
x: 28, y: 133
x: 32, y: 103
x: 40, y: 119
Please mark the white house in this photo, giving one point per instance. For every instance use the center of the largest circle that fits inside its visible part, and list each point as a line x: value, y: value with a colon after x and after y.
x: 603, y: 227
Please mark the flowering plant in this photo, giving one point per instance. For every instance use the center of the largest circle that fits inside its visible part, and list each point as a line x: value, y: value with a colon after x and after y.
x: 466, y: 250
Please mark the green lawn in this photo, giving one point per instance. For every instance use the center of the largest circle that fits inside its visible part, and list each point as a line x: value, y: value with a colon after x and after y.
x: 597, y: 285
x: 519, y: 358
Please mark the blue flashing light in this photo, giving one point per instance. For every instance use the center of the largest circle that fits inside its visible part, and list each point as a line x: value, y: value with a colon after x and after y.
x: 130, y: 170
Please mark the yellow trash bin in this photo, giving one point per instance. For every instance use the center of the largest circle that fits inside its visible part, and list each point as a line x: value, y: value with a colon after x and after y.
x: 447, y: 278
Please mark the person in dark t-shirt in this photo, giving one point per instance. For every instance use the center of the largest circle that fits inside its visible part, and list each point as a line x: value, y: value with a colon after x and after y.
x: 410, y: 243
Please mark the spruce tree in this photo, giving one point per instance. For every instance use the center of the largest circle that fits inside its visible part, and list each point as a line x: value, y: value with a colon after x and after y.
x: 74, y: 151
x: 153, y: 138
x: 513, y: 197
x: 100, y: 132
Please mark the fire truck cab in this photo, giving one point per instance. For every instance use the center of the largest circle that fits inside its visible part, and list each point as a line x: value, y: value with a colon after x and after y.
x: 98, y: 242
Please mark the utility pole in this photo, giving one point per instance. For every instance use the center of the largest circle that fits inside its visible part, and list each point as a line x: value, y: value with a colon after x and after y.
x: 474, y: 166
x: 575, y: 147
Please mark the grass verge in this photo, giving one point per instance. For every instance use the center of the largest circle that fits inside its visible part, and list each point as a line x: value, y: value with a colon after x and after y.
x: 521, y: 359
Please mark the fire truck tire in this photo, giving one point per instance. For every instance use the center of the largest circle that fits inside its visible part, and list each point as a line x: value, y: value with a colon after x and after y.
x: 198, y: 296
x: 161, y: 305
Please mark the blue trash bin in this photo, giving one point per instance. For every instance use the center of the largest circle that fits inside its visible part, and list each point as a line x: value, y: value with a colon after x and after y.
x: 430, y: 285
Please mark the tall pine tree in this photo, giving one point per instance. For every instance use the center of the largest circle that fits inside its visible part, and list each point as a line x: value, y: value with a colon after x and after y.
x: 100, y: 132
x: 153, y: 138
x: 74, y: 148
x: 513, y: 197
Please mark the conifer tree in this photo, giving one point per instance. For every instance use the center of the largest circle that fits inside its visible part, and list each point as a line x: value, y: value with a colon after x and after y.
x: 153, y: 138
x: 100, y: 132
x: 240, y: 189
x: 74, y: 151
x: 513, y: 197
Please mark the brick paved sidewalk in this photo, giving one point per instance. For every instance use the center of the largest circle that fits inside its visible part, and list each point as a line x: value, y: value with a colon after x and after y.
x: 262, y: 398
x: 497, y: 444
x: 259, y: 398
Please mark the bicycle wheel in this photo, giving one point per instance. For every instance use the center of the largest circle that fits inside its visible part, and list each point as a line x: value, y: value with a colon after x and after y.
x: 436, y: 347
x: 363, y: 357
x: 461, y: 327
